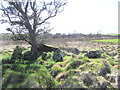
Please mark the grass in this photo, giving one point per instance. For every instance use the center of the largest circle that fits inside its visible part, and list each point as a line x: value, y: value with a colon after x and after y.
x: 109, y: 40
x: 42, y: 73
x: 111, y: 34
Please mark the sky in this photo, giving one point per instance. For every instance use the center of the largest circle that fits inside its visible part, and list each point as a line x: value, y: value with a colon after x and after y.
x: 85, y: 16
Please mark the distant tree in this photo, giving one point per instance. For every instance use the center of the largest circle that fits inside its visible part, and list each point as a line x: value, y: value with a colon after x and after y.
x: 30, y: 19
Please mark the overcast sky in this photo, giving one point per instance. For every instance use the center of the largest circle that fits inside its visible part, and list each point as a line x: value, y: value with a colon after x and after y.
x: 85, y: 16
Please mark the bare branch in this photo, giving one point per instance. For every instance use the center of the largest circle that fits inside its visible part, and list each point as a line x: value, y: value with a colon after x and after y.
x: 26, y: 7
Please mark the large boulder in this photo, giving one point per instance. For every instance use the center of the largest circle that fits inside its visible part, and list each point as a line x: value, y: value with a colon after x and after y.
x: 94, y: 54
x: 45, y: 48
x: 17, y: 53
x: 28, y: 55
x: 76, y: 51
x: 58, y: 55
x: 73, y: 50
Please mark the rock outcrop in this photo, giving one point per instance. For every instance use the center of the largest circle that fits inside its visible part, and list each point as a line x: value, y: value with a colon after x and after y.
x: 58, y: 56
x: 28, y: 55
x: 17, y: 53
x: 93, y: 54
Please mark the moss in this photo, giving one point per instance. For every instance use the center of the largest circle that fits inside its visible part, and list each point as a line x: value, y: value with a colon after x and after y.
x: 25, y: 51
x: 38, y: 74
x: 94, y: 66
x: 49, y: 64
x: 57, y: 68
x: 5, y: 67
x: 64, y: 63
x: 73, y: 64
x: 111, y: 62
x: 19, y: 67
x: 35, y: 66
x: 12, y: 79
x: 41, y: 78
x: 55, y: 71
x: 5, y: 58
x: 96, y: 60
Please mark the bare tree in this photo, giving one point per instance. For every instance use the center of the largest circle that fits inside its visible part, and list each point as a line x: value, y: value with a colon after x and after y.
x: 30, y: 19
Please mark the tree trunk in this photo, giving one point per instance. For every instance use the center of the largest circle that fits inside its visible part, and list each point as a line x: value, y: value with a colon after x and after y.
x: 34, y: 45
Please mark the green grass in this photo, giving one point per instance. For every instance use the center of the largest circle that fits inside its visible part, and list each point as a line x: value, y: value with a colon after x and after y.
x: 109, y: 40
x: 40, y: 73
x: 111, y: 34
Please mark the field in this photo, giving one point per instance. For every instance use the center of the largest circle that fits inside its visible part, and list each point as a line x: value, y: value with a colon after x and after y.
x: 111, y: 34
x: 117, y: 41
x: 74, y: 70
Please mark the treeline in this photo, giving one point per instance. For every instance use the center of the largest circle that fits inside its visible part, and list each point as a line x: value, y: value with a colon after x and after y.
x: 8, y: 36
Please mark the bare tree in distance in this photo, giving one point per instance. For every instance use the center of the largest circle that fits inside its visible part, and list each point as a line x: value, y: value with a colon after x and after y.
x: 30, y: 19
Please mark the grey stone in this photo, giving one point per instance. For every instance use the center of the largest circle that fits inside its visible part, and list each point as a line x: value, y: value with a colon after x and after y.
x: 44, y: 56
x: 87, y: 79
x: 76, y: 51
x: 58, y: 56
x: 93, y: 54
x: 84, y: 51
x: 73, y: 56
x: 103, y: 84
x: 105, y: 69
x: 111, y: 78
x: 28, y: 55
x: 17, y: 53
x: 73, y: 50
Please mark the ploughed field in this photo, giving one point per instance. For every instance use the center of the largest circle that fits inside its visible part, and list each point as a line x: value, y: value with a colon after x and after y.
x: 79, y: 63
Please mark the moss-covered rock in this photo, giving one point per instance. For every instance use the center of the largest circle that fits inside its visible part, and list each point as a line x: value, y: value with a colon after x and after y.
x: 17, y: 53
x: 13, y: 79
x: 105, y: 69
x: 74, y: 64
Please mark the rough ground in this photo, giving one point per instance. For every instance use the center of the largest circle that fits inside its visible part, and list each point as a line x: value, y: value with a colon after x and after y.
x: 74, y: 70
